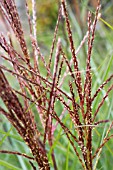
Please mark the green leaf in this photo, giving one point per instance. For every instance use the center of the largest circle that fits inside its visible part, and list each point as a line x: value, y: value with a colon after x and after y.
x: 9, y: 166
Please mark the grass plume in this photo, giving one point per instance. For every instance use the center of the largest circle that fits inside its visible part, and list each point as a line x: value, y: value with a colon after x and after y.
x: 45, y: 90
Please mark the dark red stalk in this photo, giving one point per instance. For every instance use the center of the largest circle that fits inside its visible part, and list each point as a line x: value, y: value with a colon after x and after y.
x: 58, y: 51
x: 101, y: 103
x: 76, y: 69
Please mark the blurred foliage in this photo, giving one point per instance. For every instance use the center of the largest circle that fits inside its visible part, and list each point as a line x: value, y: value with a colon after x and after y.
x: 47, y: 11
x: 46, y: 14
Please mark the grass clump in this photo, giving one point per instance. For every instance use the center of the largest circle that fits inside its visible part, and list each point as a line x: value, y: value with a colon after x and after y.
x: 57, y: 95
